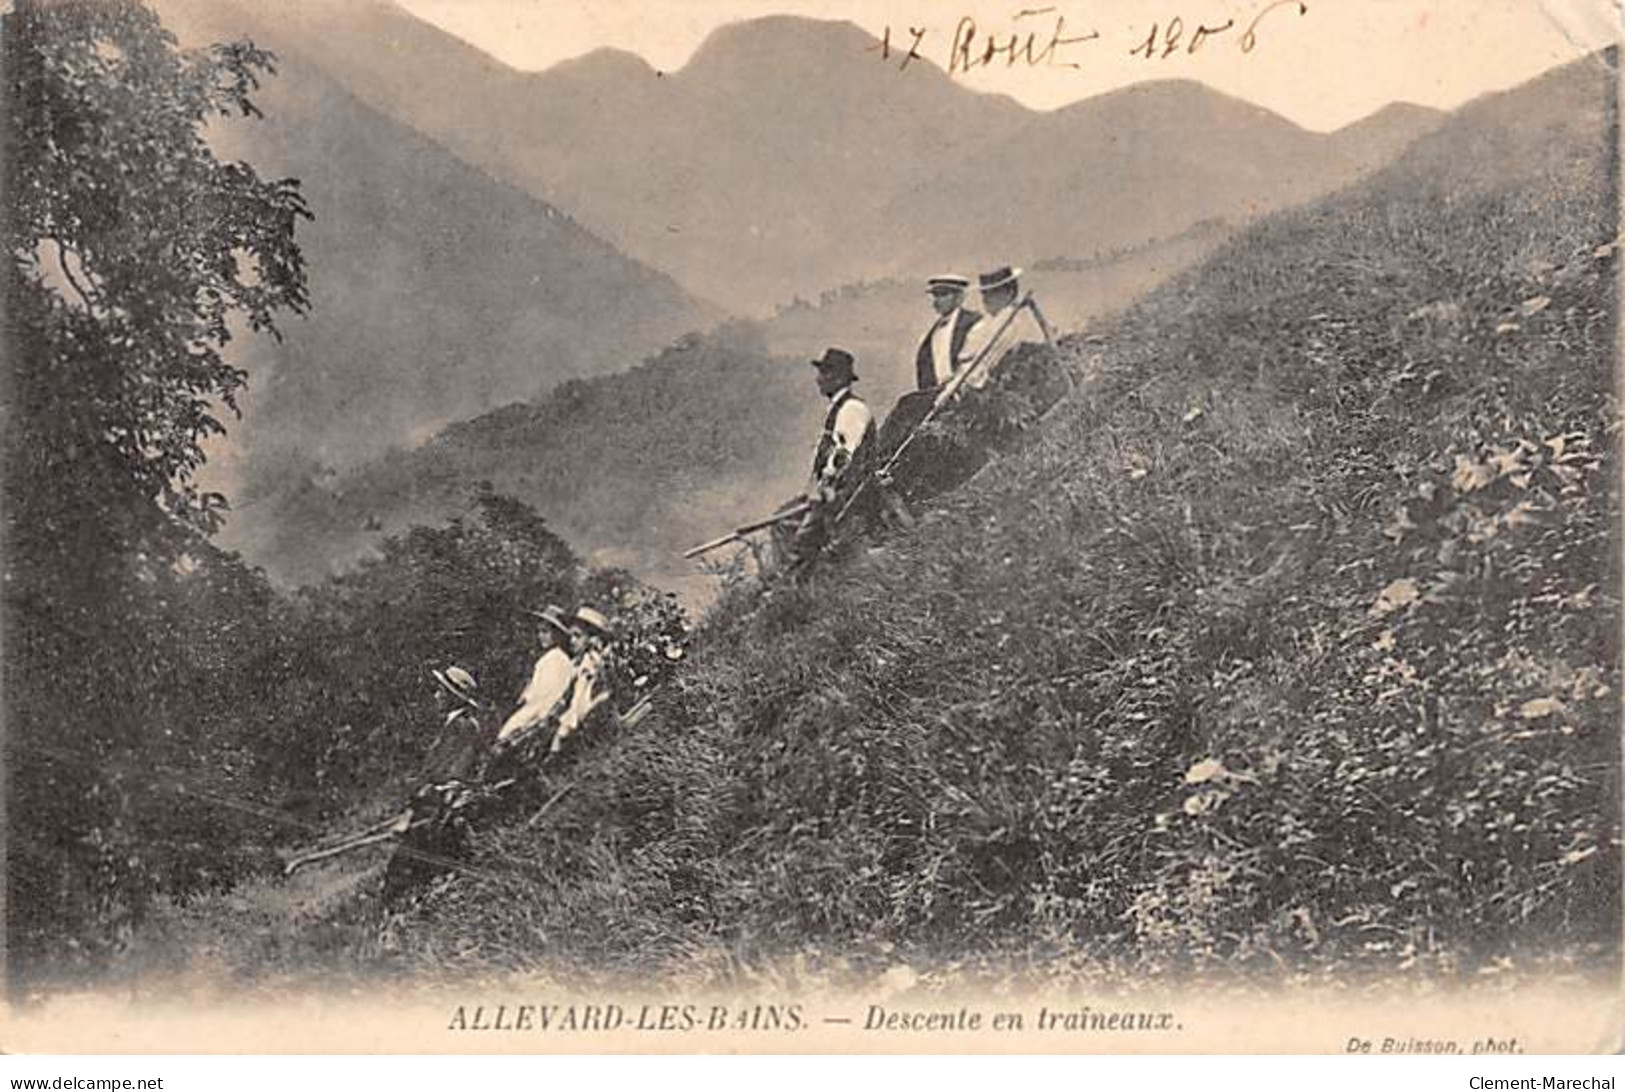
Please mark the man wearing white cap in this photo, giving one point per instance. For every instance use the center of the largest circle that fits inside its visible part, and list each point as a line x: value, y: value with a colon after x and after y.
x: 1001, y: 291
x: 548, y: 693
x: 942, y: 349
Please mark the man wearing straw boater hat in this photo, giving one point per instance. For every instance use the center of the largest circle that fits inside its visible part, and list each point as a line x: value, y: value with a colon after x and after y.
x: 434, y: 828
x: 548, y: 691
x: 432, y: 820
x: 940, y: 355
x: 942, y: 349
x: 1001, y: 291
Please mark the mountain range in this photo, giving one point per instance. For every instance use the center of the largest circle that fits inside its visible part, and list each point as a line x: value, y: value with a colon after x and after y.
x: 784, y: 158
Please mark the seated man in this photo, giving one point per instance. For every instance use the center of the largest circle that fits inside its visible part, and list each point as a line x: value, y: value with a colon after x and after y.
x: 943, y: 347
x: 939, y: 357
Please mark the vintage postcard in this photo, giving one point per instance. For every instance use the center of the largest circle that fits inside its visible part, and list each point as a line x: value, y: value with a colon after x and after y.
x: 811, y: 526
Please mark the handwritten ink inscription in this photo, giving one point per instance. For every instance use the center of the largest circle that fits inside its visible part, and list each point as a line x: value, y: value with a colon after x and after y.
x: 1043, y: 38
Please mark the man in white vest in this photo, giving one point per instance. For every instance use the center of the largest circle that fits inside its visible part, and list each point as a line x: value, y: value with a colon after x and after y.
x: 848, y: 427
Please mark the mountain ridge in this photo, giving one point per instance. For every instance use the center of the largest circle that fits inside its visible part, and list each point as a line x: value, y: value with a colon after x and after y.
x: 789, y: 146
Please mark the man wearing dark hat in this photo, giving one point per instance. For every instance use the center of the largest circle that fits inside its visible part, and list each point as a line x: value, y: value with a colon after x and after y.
x: 1001, y: 291
x: 848, y: 427
x: 548, y: 692
x: 942, y: 350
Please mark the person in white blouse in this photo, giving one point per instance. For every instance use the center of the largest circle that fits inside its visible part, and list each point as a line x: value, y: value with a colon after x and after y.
x: 549, y: 689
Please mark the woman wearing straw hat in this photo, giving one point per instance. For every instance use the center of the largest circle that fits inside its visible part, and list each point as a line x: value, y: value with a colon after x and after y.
x: 548, y: 691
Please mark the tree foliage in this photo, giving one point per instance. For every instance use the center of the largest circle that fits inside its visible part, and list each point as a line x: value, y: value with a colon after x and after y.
x: 135, y: 245
x: 132, y: 253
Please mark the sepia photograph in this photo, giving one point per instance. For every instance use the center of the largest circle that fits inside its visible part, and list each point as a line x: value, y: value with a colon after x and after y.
x: 811, y: 526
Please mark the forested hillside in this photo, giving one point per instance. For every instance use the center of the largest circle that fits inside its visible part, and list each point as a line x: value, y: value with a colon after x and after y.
x: 633, y: 467
x: 725, y: 423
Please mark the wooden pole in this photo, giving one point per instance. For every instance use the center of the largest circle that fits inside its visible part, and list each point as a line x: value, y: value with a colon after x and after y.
x: 360, y: 841
x: 739, y: 534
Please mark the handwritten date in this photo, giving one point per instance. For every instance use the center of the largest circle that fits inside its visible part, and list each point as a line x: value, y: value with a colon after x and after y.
x: 1042, y: 38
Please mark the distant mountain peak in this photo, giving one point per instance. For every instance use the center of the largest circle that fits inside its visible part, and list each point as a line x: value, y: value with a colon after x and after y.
x: 1176, y: 99
x: 776, y: 36
x: 605, y: 63
x: 1397, y: 114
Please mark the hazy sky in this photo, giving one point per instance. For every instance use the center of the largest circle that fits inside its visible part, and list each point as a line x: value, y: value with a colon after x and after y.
x: 1334, y: 64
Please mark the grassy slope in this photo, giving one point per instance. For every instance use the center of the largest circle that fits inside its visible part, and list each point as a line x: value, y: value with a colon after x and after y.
x: 1290, y: 643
